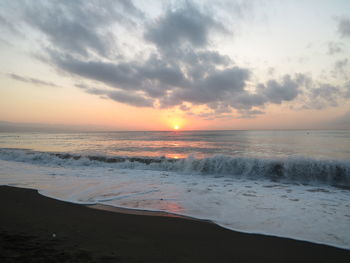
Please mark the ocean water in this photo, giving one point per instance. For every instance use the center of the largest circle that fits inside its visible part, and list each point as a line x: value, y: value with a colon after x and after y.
x: 292, y: 184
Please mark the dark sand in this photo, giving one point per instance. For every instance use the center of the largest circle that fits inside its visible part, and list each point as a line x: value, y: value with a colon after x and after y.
x: 29, y: 220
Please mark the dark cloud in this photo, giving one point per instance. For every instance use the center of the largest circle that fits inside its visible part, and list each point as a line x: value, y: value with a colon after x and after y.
x: 327, y: 93
x: 32, y: 80
x: 230, y: 79
x: 184, y: 25
x: 218, y: 85
x: 153, y: 76
x: 117, y: 75
x: 277, y: 92
x: 247, y: 100
x: 220, y: 89
x: 197, y: 64
x: 130, y: 98
x: 311, y: 94
x: 80, y: 27
x: 334, y: 48
x: 211, y: 57
x: 344, y: 26
x: 272, y: 92
x: 220, y: 107
x: 127, y: 97
x: 160, y: 70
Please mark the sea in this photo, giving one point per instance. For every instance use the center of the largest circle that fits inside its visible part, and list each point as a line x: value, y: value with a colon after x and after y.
x: 293, y: 184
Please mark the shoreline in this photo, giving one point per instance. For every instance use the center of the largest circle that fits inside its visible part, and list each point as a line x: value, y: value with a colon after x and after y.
x: 37, y: 228
x: 142, y: 212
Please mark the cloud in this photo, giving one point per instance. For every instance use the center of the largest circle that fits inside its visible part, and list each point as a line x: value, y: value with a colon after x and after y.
x: 32, y: 80
x: 80, y: 27
x: 347, y: 90
x: 247, y: 100
x: 334, y: 48
x: 277, y: 92
x: 183, y: 107
x: 162, y: 72
x: 340, y: 64
x: 156, y: 81
x: 327, y: 92
x: 159, y: 80
x: 344, y: 26
x: 152, y: 76
x: 8, y: 26
x: 274, y: 91
x: 114, y: 74
x: 323, y: 95
x: 247, y: 114
x: 184, y: 25
x: 341, y: 69
x: 182, y: 69
x: 131, y: 98
x: 216, y: 86
x: 179, y: 65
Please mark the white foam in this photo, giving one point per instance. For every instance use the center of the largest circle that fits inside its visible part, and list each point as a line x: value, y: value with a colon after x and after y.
x: 320, y: 215
x: 295, y: 169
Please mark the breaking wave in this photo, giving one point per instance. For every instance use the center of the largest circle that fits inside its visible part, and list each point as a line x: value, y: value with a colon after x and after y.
x: 298, y: 170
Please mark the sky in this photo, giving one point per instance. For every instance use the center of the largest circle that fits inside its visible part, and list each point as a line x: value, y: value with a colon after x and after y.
x: 154, y: 65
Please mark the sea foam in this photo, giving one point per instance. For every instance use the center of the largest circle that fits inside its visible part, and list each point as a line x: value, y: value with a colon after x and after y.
x: 293, y: 169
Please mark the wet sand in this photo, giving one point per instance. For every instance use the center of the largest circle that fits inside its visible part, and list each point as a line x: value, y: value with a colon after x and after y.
x: 34, y: 228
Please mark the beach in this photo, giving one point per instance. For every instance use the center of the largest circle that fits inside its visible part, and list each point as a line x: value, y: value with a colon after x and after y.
x: 35, y: 228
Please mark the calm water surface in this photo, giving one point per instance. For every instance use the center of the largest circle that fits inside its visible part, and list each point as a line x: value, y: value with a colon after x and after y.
x: 257, y: 144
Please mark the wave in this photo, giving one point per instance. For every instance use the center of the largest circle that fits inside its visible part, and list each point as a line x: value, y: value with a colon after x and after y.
x: 298, y: 170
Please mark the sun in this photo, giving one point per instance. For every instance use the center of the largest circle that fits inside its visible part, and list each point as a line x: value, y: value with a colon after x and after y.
x: 175, y: 123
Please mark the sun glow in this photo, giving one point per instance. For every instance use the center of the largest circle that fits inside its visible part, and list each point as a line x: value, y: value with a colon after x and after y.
x: 175, y: 123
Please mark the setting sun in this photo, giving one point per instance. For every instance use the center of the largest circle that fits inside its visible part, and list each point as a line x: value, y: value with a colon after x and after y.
x: 176, y: 127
